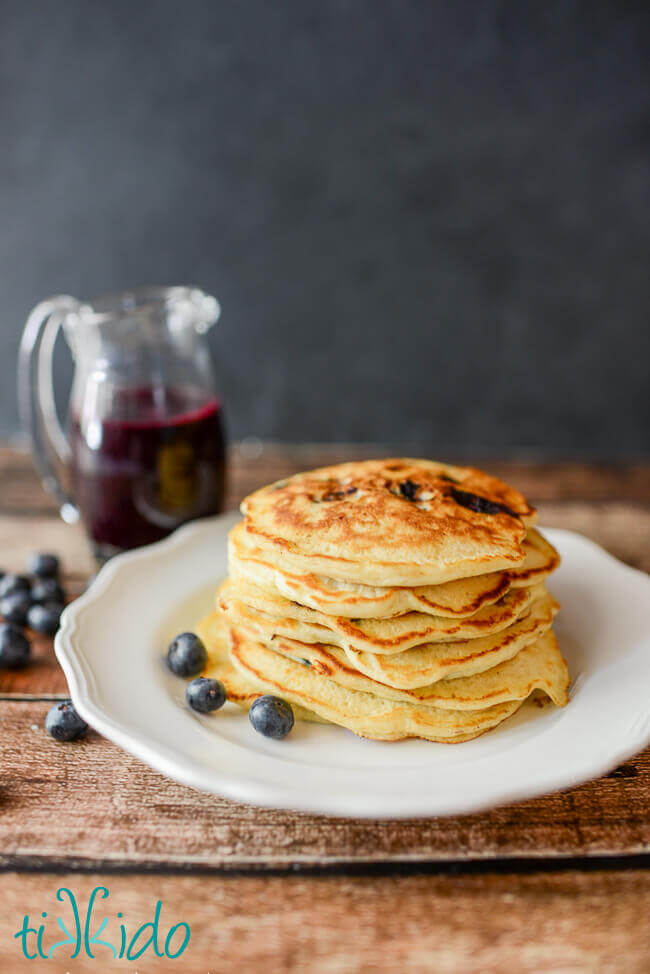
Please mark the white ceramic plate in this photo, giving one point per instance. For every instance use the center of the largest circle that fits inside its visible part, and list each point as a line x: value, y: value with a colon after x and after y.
x: 112, y: 642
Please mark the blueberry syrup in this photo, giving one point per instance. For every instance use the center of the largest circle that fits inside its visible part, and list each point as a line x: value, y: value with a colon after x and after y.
x: 156, y: 462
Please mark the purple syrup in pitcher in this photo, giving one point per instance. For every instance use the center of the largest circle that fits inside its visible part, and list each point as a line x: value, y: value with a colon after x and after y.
x: 157, y: 461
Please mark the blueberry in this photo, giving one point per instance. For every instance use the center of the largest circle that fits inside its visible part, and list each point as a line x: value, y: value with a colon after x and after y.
x: 474, y: 502
x: 205, y: 695
x: 44, y: 565
x: 14, y: 607
x: 338, y: 495
x: 14, y: 647
x: 64, y: 723
x: 14, y: 583
x: 271, y: 717
x: 47, y: 590
x: 45, y: 618
x: 186, y: 655
x: 409, y: 490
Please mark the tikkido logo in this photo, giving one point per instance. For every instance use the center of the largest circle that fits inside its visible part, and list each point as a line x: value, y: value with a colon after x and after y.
x: 82, y: 932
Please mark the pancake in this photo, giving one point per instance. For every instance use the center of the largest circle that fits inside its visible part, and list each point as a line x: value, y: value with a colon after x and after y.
x: 444, y: 661
x: 391, y: 522
x: 541, y: 559
x: 456, y: 599
x: 247, y: 604
x: 332, y: 596
x: 395, y: 598
x: 241, y: 689
x: 538, y: 666
x: 363, y: 713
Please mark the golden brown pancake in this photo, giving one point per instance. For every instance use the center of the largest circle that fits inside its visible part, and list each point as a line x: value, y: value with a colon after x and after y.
x: 363, y: 713
x: 396, y: 598
x: 246, y: 604
x: 391, y: 522
x: 444, y: 661
x: 537, y: 666
x: 458, y: 599
x: 541, y: 559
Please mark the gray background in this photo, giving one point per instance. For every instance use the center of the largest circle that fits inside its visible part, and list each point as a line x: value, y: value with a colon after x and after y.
x: 426, y: 222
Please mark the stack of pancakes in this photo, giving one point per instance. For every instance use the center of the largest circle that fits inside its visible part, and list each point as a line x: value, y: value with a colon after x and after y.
x: 396, y: 598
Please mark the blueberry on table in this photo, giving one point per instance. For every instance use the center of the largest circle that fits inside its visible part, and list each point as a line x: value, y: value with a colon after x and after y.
x: 44, y: 564
x: 14, y: 647
x: 205, y: 695
x: 47, y: 590
x: 14, y: 583
x: 14, y: 607
x: 271, y: 717
x: 63, y: 722
x: 186, y: 655
x: 45, y: 618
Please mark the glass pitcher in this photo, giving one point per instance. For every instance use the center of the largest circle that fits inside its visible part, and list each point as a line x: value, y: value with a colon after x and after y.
x: 144, y: 446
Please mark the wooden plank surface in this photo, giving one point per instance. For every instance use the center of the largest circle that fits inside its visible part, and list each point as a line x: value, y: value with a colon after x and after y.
x: 90, y: 803
x: 565, y: 922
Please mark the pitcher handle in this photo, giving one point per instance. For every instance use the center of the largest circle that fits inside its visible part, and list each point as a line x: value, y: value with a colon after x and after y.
x: 38, y: 414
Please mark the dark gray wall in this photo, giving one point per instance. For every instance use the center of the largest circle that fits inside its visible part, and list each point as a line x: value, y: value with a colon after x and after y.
x: 426, y: 222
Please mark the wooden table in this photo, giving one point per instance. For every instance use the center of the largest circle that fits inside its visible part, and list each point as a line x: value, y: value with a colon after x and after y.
x: 556, y: 884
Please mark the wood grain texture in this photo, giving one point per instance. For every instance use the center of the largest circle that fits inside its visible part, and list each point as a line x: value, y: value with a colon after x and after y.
x: 91, y: 803
x: 623, y: 529
x: 93, y: 807
x: 565, y: 922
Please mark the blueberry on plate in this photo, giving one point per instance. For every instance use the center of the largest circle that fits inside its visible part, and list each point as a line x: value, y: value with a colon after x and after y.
x: 14, y: 607
x: 205, y: 695
x: 14, y: 647
x: 271, y: 716
x: 13, y: 583
x: 64, y: 723
x: 186, y: 655
x: 45, y: 618
x: 47, y: 590
x: 44, y: 564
